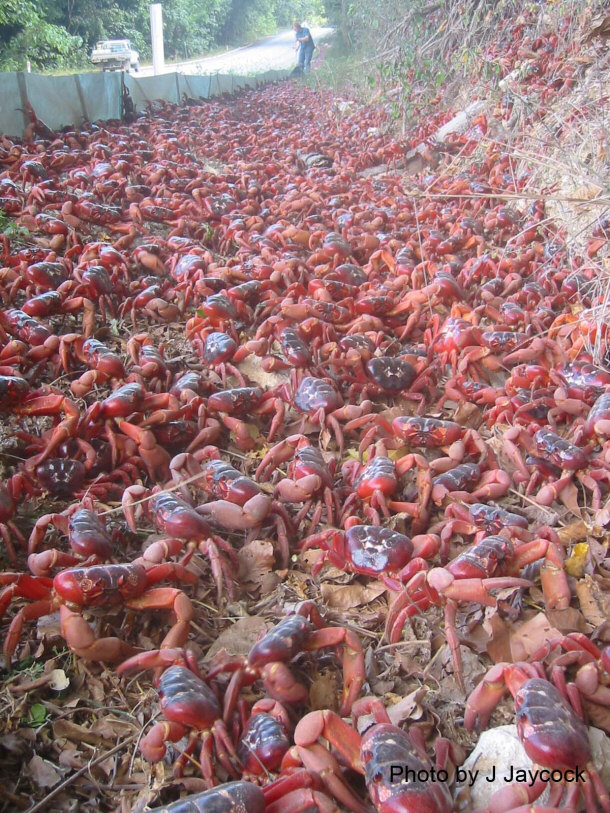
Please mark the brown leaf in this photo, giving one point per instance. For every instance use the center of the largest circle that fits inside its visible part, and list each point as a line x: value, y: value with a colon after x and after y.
x: 594, y: 603
x: 16, y: 743
x: 528, y: 638
x: 381, y: 688
x: 345, y: 597
x: 310, y: 557
x: 408, y: 707
x: 474, y: 631
x: 575, y: 532
x: 70, y: 758
x: 43, y: 773
x: 597, y: 553
x: 568, y: 620
x: 323, y: 692
x: 297, y: 581
x: 76, y: 733
x: 469, y: 415
x: 111, y: 728
x: 597, y: 715
x: 602, y: 516
x: 540, y: 515
x: 256, y: 561
x: 498, y: 646
x: 107, y: 766
x: 240, y: 637
x: 588, y: 191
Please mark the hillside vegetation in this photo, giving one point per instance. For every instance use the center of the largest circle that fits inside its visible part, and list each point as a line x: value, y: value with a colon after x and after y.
x: 539, y: 72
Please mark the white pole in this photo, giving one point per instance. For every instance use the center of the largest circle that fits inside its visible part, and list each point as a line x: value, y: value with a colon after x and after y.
x: 156, y: 37
x: 28, y: 66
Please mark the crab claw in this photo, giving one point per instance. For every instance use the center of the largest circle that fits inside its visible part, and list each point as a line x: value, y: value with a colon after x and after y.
x: 238, y: 517
x: 163, y: 658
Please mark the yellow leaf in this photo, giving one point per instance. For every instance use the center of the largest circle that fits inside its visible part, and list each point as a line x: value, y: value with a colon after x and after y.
x: 576, y: 562
x: 396, y: 454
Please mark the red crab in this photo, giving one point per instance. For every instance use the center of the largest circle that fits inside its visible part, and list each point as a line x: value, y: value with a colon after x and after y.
x: 75, y: 590
x: 471, y: 577
x: 173, y: 516
x: 303, y: 631
x: 384, y: 754
x: 552, y: 733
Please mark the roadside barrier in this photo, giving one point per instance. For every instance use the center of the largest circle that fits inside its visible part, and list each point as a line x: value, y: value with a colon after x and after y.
x: 69, y: 101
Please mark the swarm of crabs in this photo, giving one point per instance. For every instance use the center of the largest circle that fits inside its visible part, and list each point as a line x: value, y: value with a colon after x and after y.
x: 218, y: 324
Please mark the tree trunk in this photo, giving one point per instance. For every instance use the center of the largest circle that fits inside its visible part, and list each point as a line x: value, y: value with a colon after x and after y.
x: 347, y: 41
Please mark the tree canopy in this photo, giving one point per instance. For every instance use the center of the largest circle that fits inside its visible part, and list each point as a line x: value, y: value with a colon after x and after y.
x: 55, y: 34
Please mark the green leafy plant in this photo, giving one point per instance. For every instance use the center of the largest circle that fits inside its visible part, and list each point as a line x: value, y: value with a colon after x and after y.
x: 37, y: 715
x: 11, y: 229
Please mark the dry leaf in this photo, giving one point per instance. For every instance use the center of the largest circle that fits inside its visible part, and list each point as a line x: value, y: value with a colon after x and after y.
x: 43, y: 773
x: 256, y: 561
x: 408, y: 707
x: 323, y: 692
x: 15, y: 743
x: 107, y: 766
x: 240, y: 637
x: 311, y: 556
x: 351, y: 595
x: 602, y: 516
x: 540, y: 515
x: 76, y: 733
x: 597, y: 715
x: 111, y: 728
x: 588, y: 191
x: 594, y: 604
x: 528, y: 638
x: 575, y: 532
x: 568, y: 620
x: 469, y: 415
x: 297, y: 582
x: 498, y: 646
x: 597, y: 553
x: 70, y: 758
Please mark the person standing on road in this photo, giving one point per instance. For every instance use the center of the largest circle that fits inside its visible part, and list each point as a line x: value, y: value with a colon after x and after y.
x: 304, y: 45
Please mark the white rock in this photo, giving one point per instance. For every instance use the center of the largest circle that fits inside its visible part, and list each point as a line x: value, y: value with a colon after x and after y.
x: 500, y: 749
x: 251, y: 367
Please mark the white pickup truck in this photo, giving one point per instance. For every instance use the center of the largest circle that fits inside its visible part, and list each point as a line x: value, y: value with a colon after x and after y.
x: 115, y: 55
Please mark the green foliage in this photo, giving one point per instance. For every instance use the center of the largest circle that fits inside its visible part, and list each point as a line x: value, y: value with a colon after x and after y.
x: 287, y: 11
x: 55, y: 34
x: 93, y: 20
x: 24, y: 34
x: 10, y: 228
x: 37, y: 714
x: 249, y: 18
x: 191, y: 27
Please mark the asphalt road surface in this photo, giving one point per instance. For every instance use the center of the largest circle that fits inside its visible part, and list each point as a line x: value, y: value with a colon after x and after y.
x: 273, y: 53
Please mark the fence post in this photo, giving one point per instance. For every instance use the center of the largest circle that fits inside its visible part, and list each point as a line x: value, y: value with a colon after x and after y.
x: 156, y: 37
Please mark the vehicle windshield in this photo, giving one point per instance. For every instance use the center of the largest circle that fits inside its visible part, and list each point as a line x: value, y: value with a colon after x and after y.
x: 112, y: 45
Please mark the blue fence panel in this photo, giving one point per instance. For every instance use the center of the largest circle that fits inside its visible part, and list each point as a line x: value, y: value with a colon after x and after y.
x: 101, y: 94
x: 149, y: 88
x: 55, y: 100
x: 12, y: 119
x: 61, y: 101
x: 195, y: 87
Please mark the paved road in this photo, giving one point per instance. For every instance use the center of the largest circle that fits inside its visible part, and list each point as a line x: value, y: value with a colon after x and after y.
x: 272, y: 53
